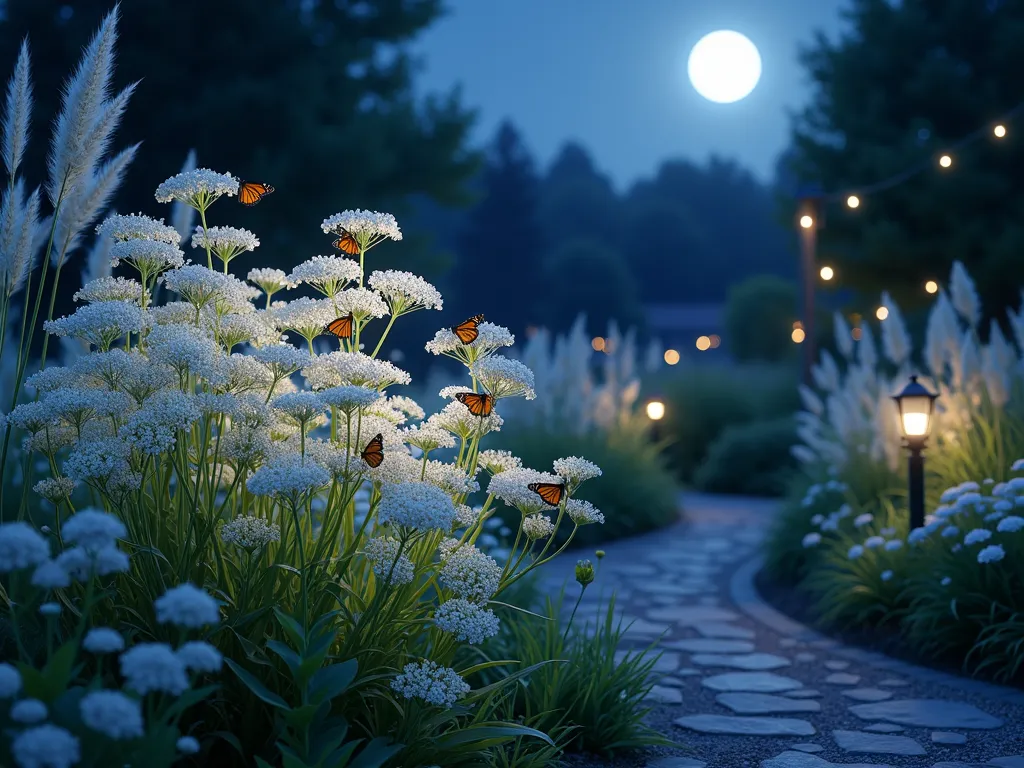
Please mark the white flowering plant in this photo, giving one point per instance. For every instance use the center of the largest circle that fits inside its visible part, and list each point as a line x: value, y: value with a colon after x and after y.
x: 73, y: 690
x: 285, y: 480
x: 952, y: 588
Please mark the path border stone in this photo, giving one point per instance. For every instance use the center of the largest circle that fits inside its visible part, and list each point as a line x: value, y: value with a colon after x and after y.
x: 746, y: 598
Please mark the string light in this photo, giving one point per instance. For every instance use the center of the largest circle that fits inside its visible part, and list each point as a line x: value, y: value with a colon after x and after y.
x: 597, y: 343
x: 671, y: 356
x: 806, y: 221
x: 853, y: 202
x: 882, y: 312
x: 703, y: 343
x: 798, y: 335
x: 999, y: 131
x: 827, y: 273
x: 945, y: 161
x: 931, y: 286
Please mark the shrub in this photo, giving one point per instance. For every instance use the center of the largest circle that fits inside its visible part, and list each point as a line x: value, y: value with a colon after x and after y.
x: 703, y: 401
x: 333, y: 555
x: 759, y: 316
x: 752, y: 459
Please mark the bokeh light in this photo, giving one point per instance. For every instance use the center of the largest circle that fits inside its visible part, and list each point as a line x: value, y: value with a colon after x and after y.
x: 856, y: 333
x: 945, y: 161
x: 853, y: 201
x: 671, y: 356
x: 999, y: 131
x: 655, y: 410
x: 703, y: 343
x: 716, y: 341
x: 882, y: 312
x: 827, y: 273
x: 597, y: 343
x: 798, y: 335
x: 931, y: 286
x: 806, y: 221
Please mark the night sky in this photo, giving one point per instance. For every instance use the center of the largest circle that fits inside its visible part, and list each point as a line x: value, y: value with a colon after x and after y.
x: 611, y: 74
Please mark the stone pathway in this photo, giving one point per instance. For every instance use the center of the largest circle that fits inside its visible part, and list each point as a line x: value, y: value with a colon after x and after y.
x: 744, y: 687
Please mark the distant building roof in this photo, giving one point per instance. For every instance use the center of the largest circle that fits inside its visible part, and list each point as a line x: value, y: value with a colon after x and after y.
x: 679, y: 317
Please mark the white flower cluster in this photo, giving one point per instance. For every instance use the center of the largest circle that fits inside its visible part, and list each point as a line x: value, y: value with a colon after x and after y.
x: 417, y: 505
x: 328, y: 274
x: 388, y: 564
x: 367, y: 227
x: 512, y: 487
x: 137, y: 227
x: 468, y: 622
x: 429, y: 681
x: 504, y: 377
x: 468, y: 572
x: 197, y: 188
x: 405, y: 292
x: 490, y: 338
x: 249, y: 533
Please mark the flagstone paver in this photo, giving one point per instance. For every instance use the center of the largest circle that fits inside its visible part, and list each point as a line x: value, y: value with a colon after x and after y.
x: 689, y: 589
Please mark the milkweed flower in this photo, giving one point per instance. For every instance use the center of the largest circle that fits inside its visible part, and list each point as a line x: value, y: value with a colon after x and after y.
x: 1010, y: 524
x: 490, y: 339
x: 198, y: 656
x: 431, y: 682
x: 993, y: 553
x: 21, y: 546
x: 468, y: 622
x: 148, y: 257
x: 388, y: 564
x: 197, y: 188
x: 186, y: 606
x: 537, y: 527
x: 136, y: 226
x: 495, y: 461
x: 468, y: 572
x: 101, y: 323
x: 103, y: 640
x: 368, y: 227
x: 337, y: 368
x: 327, y: 274
x: 512, y: 487
x: 153, y: 667
x: 110, y: 289
x: 28, y: 711
x: 405, y: 292
x: 811, y: 540
x: 45, y: 746
x: 583, y: 512
x: 289, y: 477
x: 416, y: 505
x: 350, y: 398
x: 504, y: 377
x: 362, y: 303
x: 269, y: 280
x: 225, y: 242
x: 576, y: 470
x: 977, y: 536
x: 113, y: 714
x: 249, y: 532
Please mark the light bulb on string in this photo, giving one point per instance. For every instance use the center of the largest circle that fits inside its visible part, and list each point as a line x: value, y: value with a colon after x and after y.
x: 806, y: 221
x: 945, y: 161
x: 827, y: 273
x: 931, y: 287
x: 853, y: 202
x: 999, y: 131
x: 882, y: 312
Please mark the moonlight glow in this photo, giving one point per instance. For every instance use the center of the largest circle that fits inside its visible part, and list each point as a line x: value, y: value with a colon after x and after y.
x: 724, y: 66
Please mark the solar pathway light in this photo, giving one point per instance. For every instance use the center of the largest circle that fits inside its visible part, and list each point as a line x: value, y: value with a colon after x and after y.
x: 917, y: 406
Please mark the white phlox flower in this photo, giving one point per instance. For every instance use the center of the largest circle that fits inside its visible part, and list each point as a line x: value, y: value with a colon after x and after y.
x: 576, y: 471
x: 977, y: 536
x: 993, y: 553
x: 811, y: 540
x: 103, y: 640
x: 197, y: 188
x: 367, y: 227
x: 429, y: 681
x: 457, y: 419
x: 282, y: 359
x: 82, y: 564
x: 28, y: 711
x: 348, y: 398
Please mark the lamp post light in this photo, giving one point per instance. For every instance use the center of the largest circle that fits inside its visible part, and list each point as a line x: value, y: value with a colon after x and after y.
x: 655, y: 412
x: 916, y: 406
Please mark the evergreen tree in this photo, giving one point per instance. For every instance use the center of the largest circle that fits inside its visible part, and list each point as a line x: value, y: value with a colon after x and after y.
x: 898, y: 89
x: 500, y: 249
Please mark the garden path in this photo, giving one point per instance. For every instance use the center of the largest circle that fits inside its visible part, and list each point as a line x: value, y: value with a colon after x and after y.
x: 745, y: 687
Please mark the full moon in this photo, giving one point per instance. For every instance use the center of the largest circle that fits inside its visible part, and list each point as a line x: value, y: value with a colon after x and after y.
x: 724, y: 66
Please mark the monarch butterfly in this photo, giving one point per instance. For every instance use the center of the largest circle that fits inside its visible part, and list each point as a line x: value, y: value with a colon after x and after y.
x: 373, y: 453
x: 251, y: 192
x: 347, y: 243
x: 479, y: 404
x: 467, y: 330
x: 341, y: 327
x: 551, y: 493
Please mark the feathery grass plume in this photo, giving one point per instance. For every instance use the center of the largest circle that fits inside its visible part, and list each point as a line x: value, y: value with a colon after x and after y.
x: 183, y: 216
x: 84, y: 204
x: 17, y: 112
x: 895, y: 338
x: 21, y: 259
x: 942, y: 337
x: 87, y: 119
x: 964, y: 295
x: 844, y: 338
x: 10, y: 206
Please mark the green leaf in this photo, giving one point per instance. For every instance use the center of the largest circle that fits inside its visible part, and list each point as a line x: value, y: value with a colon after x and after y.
x: 484, y: 735
x: 58, y: 669
x: 261, y: 763
x: 520, y: 610
x: 301, y: 717
x: 290, y: 657
x: 332, y: 680
x: 187, y: 699
x: 292, y: 628
x: 376, y: 753
x: 257, y: 687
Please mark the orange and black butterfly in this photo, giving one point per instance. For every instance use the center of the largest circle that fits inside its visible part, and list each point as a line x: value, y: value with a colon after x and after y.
x: 373, y: 453
x: 342, y: 327
x: 251, y: 192
x: 551, y: 493
x: 347, y: 243
x: 479, y: 404
x: 468, y: 330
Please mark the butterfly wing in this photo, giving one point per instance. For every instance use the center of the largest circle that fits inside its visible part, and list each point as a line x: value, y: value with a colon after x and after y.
x: 479, y: 404
x: 373, y: 453
x: 467, y: 331
x: 347, y: 243
x: 251, y: 192
x: 550, y: 493
x: 341, y: 327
